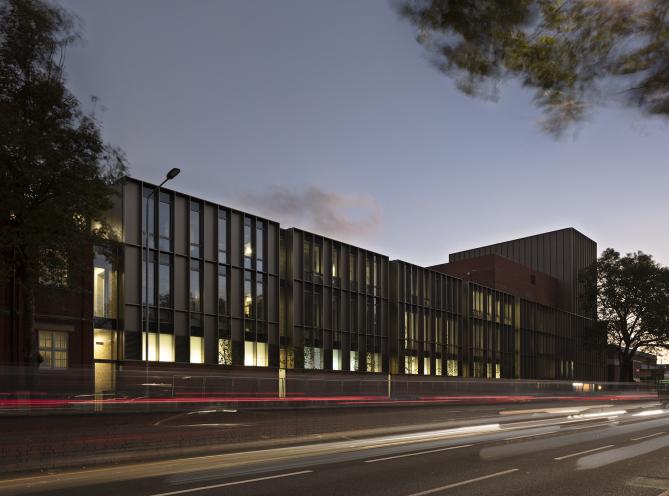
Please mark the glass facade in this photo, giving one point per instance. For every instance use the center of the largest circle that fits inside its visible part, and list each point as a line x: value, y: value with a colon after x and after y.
x: 221, y: 282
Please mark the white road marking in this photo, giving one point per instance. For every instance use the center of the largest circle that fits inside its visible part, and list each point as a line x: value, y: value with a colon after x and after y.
x: 531, y: 435
x: 463, y: 483
x: 587, y: 426
x: 235, y: 483
x: 418, y: 453
x: 584, y: 452
x: 646, y: 437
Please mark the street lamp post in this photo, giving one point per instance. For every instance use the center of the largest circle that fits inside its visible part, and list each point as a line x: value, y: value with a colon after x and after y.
x: 174, y: 172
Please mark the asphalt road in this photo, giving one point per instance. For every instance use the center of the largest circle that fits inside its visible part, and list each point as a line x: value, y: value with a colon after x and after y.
x: 67, y: 441
x: 600, y: 451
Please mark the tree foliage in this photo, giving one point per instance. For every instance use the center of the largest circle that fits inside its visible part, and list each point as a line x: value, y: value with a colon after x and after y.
x: 573, y: 54
x: 632, y: 298
x: 56, y: 172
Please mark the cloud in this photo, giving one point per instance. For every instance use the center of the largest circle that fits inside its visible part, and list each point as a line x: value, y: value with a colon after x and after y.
x: 347, y: 217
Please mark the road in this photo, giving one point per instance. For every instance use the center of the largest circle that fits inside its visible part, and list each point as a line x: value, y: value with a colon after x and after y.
x: 602, y: 450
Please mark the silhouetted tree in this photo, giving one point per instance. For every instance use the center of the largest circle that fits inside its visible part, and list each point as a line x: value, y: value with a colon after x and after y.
x: 56, y: 173
x: 572, y: 53
x: 632, y: 298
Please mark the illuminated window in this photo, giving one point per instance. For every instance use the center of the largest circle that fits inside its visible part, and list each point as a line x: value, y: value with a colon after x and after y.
x: 286, y: 358
x: 336, y: 359
x: 335, y: 262
x: 53, y: 349
x: 313, y: 357
x: 410, y: 364
x: 374, y: 362
x: 196, y: 349
x: 259, y: 246
x: 161, y: 347
x: 260, y: 300
x: 248, y: 296
x: 225, y: 352
x: 426, y: 366
x: 318, y: 262
x: 104, y: 288
x: 261, y: 355
x: 354, y: 360
x: 255, y: 354
x: 248, y: 248
x: 195, y: 301
x: 437, y: 366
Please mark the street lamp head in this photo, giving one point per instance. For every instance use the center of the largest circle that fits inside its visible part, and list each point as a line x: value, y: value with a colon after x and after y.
x: 173, y: 173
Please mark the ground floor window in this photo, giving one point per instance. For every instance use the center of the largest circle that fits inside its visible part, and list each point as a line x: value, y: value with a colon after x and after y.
x: 53, y: 348
x: 410, y: 364
x: 336, y: 359
x: 255, y: 354
x: 196, y: 349
x: 353, y: 360
x: 313, y: 358
x: 161, y: 347
x: 374, y: 362
x: 225, y: 352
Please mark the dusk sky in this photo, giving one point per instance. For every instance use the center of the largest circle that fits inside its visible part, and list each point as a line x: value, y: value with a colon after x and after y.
x: 329, y: 116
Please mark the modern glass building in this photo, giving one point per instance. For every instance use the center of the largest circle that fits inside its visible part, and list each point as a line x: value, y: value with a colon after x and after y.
x: 334, y: 305
x: 227, y: 289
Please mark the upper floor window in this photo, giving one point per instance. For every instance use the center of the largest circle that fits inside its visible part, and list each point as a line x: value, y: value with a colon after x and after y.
x: 260, y: 300
x: 104, y: 287
x: 318, y: 311
x: 351, y: 267
x: 195, y: 283
x: 307, y: 256
x: 318, y: 258
x: 149, y: 291
x: 195, y: 230
x: 165, y: 222
x: 53, y: 348
x: 335, y: 261
x: 222, y: 237
x: 248, y: 295
x: 248, y: 248
x: 259, y: 245
x: 148, y: 213
x: 222, y: 290
x: 335, y: 312
x: 375, y: 275
x: 165, y: 281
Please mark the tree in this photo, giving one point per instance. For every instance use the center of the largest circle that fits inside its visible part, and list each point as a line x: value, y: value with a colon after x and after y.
x: 57, y: 175
x: 574, y: 54
x: 632, y: 299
